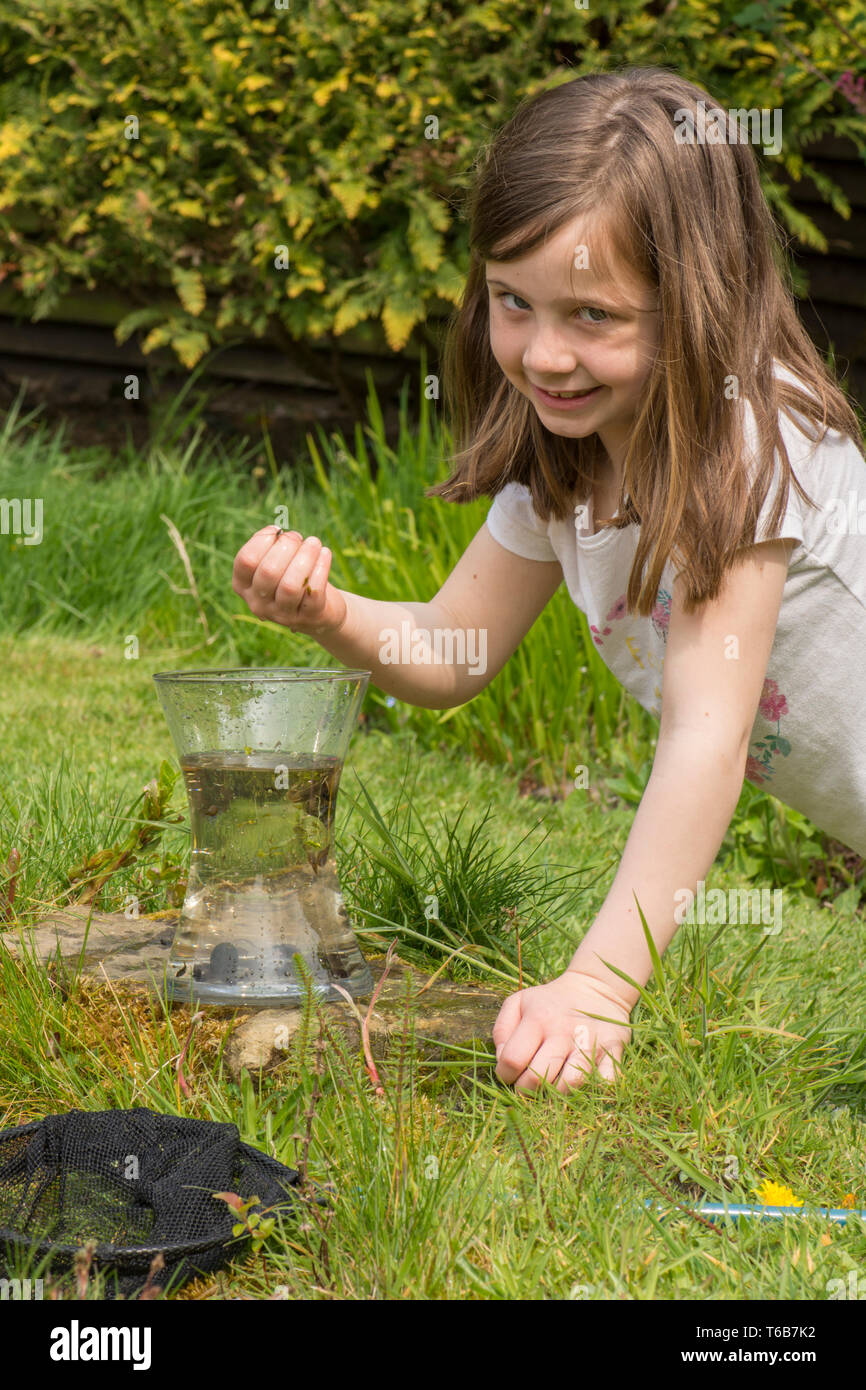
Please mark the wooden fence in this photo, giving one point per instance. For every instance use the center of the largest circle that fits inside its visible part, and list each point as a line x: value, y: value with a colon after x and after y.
x: 835, y: 310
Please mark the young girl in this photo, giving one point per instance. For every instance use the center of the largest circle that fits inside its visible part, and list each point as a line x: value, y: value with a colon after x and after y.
x: 629, y: 381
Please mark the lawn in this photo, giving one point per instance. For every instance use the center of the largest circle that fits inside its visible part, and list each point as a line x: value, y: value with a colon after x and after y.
x: 746, y: 1063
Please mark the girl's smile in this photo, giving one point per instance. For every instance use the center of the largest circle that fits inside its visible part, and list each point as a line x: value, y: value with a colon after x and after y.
x: 568, y: 401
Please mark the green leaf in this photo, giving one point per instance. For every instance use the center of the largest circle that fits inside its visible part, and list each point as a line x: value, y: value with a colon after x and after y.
x: 425, y: 242
x: 651, y: 947
x: 190, y: 289
x: 681, y: 1161
x: 847, y: 902
x: 190, y: 347
x: 137, y: 319
x: 351, y: 194
x: 352, y: 311
x: 399, y: 316
x: 189, y: 207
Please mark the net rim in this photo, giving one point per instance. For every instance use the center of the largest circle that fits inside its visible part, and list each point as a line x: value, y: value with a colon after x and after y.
x: 131, y: 1255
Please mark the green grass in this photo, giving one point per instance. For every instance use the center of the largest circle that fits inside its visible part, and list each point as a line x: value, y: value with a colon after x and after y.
x: 747, y: 1059
x: 136, y: 561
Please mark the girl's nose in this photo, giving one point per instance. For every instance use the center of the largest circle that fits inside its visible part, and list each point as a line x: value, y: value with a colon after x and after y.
x: 548, y: 357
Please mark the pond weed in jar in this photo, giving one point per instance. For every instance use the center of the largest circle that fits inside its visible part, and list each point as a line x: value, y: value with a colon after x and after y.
x: 263, y: 882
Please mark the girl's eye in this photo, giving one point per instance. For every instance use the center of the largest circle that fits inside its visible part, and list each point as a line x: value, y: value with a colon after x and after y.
x: 590, y: 309
x: 584, y: 308
x: 509, y: 294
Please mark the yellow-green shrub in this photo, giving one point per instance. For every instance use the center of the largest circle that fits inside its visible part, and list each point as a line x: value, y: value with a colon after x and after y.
x: 308, y: 127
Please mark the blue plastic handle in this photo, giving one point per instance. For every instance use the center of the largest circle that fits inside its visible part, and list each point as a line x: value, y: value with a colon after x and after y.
x: 768, y: 1213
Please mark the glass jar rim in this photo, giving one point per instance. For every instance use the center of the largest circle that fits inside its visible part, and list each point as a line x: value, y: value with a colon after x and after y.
x: 261, y: 673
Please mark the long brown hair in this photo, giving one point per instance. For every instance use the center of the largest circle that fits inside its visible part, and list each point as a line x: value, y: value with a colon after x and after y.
x: 691, y: 219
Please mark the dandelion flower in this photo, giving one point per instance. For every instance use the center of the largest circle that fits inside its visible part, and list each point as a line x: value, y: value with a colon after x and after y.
x: 774, y: 1194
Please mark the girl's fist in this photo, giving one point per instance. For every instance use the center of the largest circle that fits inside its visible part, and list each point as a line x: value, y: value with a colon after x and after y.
x: 283, y: 577
x: 548, y: 1032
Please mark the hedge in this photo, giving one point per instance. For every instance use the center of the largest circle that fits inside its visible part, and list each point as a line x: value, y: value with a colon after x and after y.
x: 168, y: 149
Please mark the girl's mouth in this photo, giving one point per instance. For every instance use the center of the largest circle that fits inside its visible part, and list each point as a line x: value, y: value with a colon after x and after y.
x: 566, y: 402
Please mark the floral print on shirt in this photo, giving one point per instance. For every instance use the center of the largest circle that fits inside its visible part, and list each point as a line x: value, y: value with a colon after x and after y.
x: 661, y: 614
x: 660, y: 617
x: 618, y: 611
x: 772, y: 706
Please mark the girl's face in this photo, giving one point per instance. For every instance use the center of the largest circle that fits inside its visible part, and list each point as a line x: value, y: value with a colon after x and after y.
x: 558, y: 327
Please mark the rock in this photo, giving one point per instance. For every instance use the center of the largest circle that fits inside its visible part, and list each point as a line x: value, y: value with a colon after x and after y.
x: 264, y: 1040
x: 135, y: 950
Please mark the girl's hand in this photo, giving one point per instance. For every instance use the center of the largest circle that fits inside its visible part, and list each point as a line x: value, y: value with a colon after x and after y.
x: 281, y: 576
x: 546, y: 1029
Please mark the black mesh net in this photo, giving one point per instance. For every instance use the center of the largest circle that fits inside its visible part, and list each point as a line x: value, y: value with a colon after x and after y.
x: 135, y: 1183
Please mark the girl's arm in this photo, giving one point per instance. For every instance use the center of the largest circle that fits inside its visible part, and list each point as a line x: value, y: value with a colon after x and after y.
x: 679, y: 825
x: 454, y: 644
x: 492, y: 596
x: 714, y: 670
x: 678, y: 828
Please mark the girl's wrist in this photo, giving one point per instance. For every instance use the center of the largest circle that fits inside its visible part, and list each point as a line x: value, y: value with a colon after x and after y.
x: 618, y: 990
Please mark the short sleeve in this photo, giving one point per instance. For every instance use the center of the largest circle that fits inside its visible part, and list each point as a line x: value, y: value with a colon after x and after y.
x: 800, y: 450
x: 514, y: 523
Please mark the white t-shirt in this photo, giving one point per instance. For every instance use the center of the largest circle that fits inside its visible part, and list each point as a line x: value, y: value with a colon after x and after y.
x: 808, y: 742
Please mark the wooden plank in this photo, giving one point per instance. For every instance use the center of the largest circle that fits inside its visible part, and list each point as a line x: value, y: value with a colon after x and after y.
x: 845, y: 237
x: 105, y: 308
x: 833, y: 147
x: 87, y: 343
x: 844, y: 327
x: 77, y: 343
x: 850, y: 177
x: 834, y: 280
x: 87, y: 397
